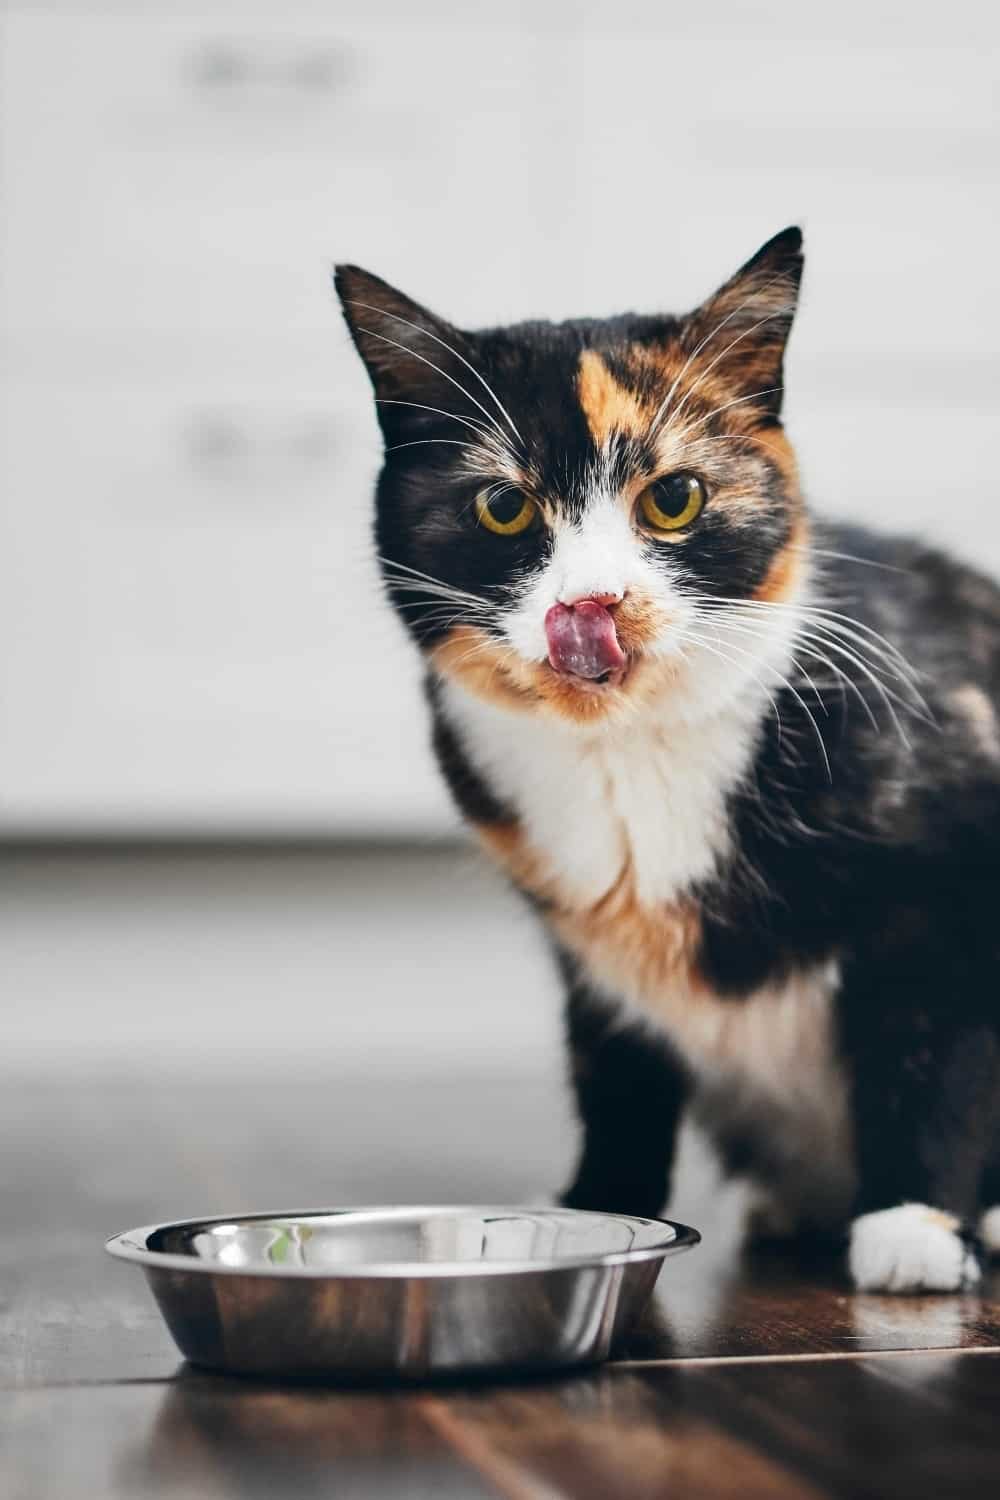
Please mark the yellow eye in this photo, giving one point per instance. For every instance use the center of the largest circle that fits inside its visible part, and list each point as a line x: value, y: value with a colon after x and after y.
x: 506, y: 511
x: 672, y: 503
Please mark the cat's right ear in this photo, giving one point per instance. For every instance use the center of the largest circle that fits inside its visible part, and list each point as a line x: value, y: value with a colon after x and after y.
x: 744, y: 326
x: 416, y: 361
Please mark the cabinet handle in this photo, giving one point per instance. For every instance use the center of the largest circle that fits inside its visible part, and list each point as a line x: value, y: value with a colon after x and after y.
x: 218, y: 444
x: 219, y: 67
x: 312, y: 441
x: 214, y: 440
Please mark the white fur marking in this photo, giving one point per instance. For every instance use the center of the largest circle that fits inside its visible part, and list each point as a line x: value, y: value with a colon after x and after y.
x: 911, y: 1248
x: 586, y: 799
x: 597, y: 554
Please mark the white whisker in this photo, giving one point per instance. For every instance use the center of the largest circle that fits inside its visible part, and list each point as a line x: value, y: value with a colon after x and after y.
x: 740, y: 400
x: 423, y: 442
x: 439, y: 598
x: 886, y: 694
x: 723, y: 624
x: 869, y: 562
x: 738, y: 437
x: 840, y: 676
x: 799, y: 699
x: 504, y: 652
x: 419, y: 582
x: 687, y: 634
x: 412, y: 353
x: 757, y: 292
x: 383, y: 312
x: 780, y: 313
x: 846, y: 625
x: 453, y: 415
x: 831, y: 637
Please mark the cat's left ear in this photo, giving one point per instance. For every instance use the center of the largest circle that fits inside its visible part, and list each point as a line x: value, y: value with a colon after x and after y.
x: 743, y: 328
x: 415, y: 360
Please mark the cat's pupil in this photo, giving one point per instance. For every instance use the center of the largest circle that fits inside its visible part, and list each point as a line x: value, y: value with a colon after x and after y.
x: 506, y: 508
x: 673, y: 494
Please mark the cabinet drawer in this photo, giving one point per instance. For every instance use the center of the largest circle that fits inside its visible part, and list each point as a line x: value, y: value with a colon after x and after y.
x: 195, y: 637
x: 166, y: 173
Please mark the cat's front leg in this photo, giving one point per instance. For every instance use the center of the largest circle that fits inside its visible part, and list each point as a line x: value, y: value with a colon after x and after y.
x: 630, y: 1091
x: 925, y: 1080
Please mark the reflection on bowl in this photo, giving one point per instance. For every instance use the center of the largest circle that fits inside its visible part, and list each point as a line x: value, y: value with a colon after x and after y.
x: 401, y: 1292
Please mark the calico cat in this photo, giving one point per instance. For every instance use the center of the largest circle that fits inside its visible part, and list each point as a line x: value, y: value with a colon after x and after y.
x: 745, y: 765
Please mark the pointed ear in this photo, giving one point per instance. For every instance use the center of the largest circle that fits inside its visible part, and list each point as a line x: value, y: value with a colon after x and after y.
x: 743, y: 328
x: 414, y: 358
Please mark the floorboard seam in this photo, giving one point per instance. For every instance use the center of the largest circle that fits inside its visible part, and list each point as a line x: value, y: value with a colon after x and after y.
x: 828, y: 1356
x: 16, y: 1387
x: 676, y: 1362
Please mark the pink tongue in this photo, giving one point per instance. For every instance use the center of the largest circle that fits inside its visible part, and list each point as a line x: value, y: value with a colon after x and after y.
x: 582, y: 639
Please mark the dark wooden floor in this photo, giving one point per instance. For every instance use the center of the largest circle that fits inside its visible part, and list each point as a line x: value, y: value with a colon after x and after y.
x: 747, y: 1379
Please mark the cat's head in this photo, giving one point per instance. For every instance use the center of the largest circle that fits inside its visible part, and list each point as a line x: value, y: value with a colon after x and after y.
x: 564, y: 508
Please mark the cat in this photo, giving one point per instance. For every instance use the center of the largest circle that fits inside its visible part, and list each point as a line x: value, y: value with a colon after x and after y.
x: 744, y: 764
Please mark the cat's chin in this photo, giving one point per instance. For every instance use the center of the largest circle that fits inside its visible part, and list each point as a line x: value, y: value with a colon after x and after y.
x: 601, y: 686
x: 582, y: 700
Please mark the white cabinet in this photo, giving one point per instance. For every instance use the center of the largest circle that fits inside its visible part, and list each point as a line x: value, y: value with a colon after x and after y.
x: 197, y: 175
x: 194, y: 640
x: 191, y: 637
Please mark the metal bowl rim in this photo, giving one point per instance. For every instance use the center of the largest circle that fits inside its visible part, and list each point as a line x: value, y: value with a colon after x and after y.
x: 124, y: 1246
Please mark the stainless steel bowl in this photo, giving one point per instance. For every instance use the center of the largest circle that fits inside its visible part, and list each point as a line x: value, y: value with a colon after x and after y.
x: 372, y: 1293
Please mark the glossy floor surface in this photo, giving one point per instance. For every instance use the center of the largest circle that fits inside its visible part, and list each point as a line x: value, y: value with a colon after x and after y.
x: 748, y: 1379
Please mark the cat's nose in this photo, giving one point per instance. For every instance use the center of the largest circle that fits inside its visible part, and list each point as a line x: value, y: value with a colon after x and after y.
x: 569, y: 597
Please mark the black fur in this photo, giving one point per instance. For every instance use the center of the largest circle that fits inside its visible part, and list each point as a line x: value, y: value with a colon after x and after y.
x: 471, y: 793
x: 630, y: 1090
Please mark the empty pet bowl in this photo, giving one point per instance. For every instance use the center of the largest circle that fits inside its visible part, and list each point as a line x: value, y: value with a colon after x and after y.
x: 401, y: 1292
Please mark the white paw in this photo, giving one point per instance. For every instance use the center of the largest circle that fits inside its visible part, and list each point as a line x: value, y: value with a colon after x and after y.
x: 989, y: 1230
x: 912, y: 1248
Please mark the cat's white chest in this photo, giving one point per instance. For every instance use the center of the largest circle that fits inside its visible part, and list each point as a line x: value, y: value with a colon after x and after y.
x: 648, y: 794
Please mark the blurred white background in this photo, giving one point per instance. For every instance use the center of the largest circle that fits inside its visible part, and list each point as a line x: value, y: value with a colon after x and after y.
x: 191, y: 641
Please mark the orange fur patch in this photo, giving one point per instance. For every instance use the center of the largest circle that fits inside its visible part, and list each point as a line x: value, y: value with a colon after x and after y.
x: 487, y: 668
x: 648, y: 949
x: 781, y: 453
x: 607, y: 406
x: 650, y: 956
x: 638, y: 621
x: 786, y: 566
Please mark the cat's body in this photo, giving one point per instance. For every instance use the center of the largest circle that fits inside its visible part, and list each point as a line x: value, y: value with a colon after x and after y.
x: 746, y: 768
x: 792, y: 876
